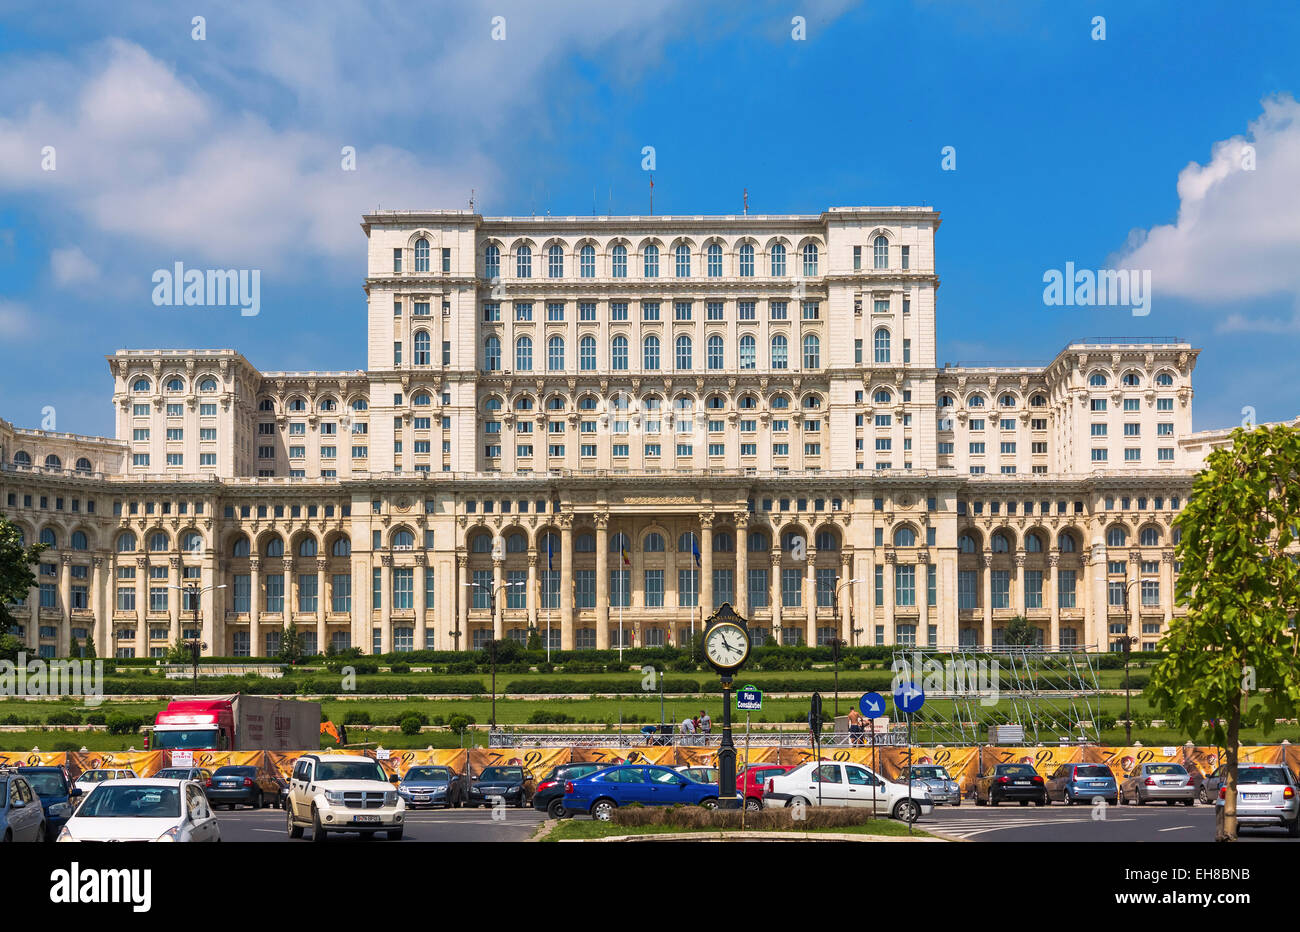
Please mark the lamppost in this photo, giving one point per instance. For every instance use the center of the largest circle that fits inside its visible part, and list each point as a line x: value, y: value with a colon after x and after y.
x: 1128, y: 640
x: 196, y: 645
x: 492, y: 610
x: 837, y: 643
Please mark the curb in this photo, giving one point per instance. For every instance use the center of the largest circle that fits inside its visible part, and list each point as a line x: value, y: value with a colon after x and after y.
x: 760, y: 836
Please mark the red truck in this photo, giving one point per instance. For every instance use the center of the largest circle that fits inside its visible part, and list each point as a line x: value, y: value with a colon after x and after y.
x: 237, y: 723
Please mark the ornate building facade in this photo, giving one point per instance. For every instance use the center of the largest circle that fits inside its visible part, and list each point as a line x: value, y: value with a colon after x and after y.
x: 601, y: 428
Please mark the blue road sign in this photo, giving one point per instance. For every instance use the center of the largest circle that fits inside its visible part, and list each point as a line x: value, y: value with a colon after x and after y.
x: 909, y: 698
x: 872, y: 705
x: 749, y: 699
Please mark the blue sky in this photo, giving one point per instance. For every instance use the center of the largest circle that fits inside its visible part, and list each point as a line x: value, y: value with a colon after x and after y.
x: 225, y: 153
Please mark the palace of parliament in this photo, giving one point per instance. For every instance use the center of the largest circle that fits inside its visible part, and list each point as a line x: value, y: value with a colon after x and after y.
x: 601, y: 428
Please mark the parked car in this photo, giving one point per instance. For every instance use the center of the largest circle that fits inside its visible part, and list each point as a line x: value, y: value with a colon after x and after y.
x: 514, y: 784
x: 425, y: 785
x: 944, y: 790
x: 200, y: 774
x: 602, y: 792
x: 751, y: 782
x: 1169, y: 782
x: 22, y: 818
x: 56, y: 792
x: 1074, y: 783
x: 1267, y: 794
x: 1019, y: 782
x: 701, y: 774
x: 835, y: 784
x: 90, y: 779
x: 343, y: 793
x: 549, y: 797
x: 241, y: 785
x: 143, y: 810
x: 1208, y: 791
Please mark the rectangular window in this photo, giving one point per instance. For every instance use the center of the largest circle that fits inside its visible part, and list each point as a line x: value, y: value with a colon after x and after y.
x: 791, y: 587
x: 654, y: 588
x: 932, y: 586
x: 758, y: 589
x: 747, y: 310
x: 967, y: 589
x: 620, y: 588
x: 688, y: 588
x: 341, y: 592
x: 275, y: 592
x: 1065, y: 597
x: 516, y: 589
x: 1033, y: 589
x: 905, y: 584
x: 307, y: 592
x: 724, y: 587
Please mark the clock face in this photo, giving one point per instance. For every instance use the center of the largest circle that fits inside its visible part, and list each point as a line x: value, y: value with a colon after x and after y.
x: 726, y: 645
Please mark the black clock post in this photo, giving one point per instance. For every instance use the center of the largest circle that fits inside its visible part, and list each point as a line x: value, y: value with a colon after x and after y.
x: 727, y: 753
x: 727, y: 645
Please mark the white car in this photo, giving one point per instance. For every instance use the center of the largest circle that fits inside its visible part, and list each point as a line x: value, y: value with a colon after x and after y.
x: 92, y: 778
x: 342, y: 793
x: 828, y: 783
x: 143, y: 810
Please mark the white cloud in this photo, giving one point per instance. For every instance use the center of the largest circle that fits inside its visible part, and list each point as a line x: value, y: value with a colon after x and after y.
x: 1237, y: 236
x: 16, y: 320
x: 72, y: 267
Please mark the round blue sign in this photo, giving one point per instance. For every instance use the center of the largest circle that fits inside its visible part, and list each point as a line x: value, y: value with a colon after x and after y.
x: 872, y: 705
x: 909, y: 698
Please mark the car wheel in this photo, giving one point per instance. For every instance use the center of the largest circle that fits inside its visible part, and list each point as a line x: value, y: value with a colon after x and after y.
x: 1203, y: 796
x: 993, y: 800
x: 602, y: 810
x: 957, y: 800
x: 1041, y: 802
x: 752, y: 804
x: 1189, y: 802
x: 709, y: 803
x: 43, y: 832
x: 906, y: 810
x: 555, y: 808
x: 295, y: 831
x: 1171, y: 802
x: 1141, y: 801
x: 1024, y: 802
x: 257, y: 801
x: 394, y: 834
x: 1294, y: 828
x: 9, y: 836
x: 317, y: 833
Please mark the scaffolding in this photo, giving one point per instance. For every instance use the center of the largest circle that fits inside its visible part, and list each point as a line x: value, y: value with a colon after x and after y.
x: 1052, y: 694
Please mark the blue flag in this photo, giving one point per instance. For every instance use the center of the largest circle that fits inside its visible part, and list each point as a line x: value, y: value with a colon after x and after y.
x: 695, y: 549
x: 549, y: 547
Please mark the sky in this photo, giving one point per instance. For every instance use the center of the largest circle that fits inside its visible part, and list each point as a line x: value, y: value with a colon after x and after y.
x: 1163, y: 138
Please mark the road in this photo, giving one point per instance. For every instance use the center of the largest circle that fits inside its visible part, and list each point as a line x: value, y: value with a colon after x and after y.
x: 421, y: 825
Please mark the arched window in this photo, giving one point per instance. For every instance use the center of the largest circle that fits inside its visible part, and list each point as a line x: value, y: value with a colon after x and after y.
x: 687, y: 542
x: 1116, y: 537
x: 618, y: 543
x: 650, y: 353
x: 1164, y: 380
x: 651, y: 264
x: 79, y: 541
x: 584, y: 543
x: 723, y: 542
x: 53, y: 462
x: 422, y: 347
x: 587, y: 353
x: 790, y: 540
x: 778, y: 260
x: 555, y: 261
x: 208, y: 386
x: 140, y: 386
x: 492, y: 261
x: 48, y: 537
x: 22, y: 458
x: 266, y: 404
x: 618, y: 353
x: 492, y: 354
x: 748, y: 352
x: 748, y: 403
x: 966, y: 544
x: 342, y: 547
x: 999, y: 543
x: 809, y: 260
x: 523, y: 403
x: 587, y: 261
x: 1097, y: 380
x: 421, y: 255
x: 945, y: 401
x: 780, y: 352
x: 403, y: 539
x: 524, y: 261
x: 812, y: 351
x: 1007, y: 401
x: 882, y: 396
x: 492, y: 404
x: 682, y: 261
x: 880, y: 252
x: 618, y: 262
x: 905, y: 537
x: 556, y: 403
x: 422, y: 399
x: 715, y: 260
x: 1150, y: 537
x: 653, y: 543
x: 328, y: 404
x: 158, y: 542
x: 1066, y: 542
x: 780, y: 402
x: 747, y: 260
x: 683, y: 354
x: 297, y: 405
x: 555, y: 354
x: 125, y: 542
x: 1033, y: 543
x: 481, y: 543
x: 524, y: 354
x: 307, y: 547
x: 1038, y: 401
x: 715, y: 352
x: 975, y: 401
x: 1131, y: 380
x: 275, y: 547
x: 241, y: 548
x: 758, y: 542
x: 191, y: 542
x: 881, y: 345
x: 812, y: 402
x: 828, y: 540
x: 175, y: 385
x: 516, y: 543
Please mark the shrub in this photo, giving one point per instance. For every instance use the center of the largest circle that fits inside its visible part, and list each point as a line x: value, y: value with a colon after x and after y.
x: 400, y: 668
x: 543, y: 717
x: 410, y: 724
x: 62, y: 718
x: 356, y: 717
x: 66, y: 746
x: 120, y: 723
x: 459, y: 723
x: 696, y: 817
x: 96, y: 718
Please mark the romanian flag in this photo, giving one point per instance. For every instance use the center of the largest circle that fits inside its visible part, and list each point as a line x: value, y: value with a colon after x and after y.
x: 627, y: 557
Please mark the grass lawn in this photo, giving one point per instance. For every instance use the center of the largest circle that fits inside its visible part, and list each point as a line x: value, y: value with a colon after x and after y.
x: 590, y: 828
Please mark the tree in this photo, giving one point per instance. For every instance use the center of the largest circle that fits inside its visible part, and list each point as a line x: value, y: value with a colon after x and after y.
x: 290, y: 648
x: 1233, y: 661
x: 1020, y: 632
x: 16, y: 579
x: 90, y: 645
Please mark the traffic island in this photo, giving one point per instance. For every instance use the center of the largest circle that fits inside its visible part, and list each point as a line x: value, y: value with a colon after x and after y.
x: 691, y: 823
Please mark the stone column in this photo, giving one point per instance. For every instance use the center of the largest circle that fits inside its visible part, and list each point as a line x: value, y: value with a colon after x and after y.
x: 1054, y: 599
x: 255, y: 646
x: 498, y: 600
x: 566, y: 582
x: 141, y: 606
x: 98, y: 603
x: 463, y: 594
x: 1134, y: 593
x: 385, y: 604
x: 810, y: 597
x: 923, y: 597
x: 775, y: 599
x: 1167, y: 585
x: 533, y: 598
x: 742, y: 564
x: 322, y: 632
x: 174, y: 597
x: 64, y: 643
x: 290, y: 595
x: 1017, y: 586
x: 869, y: 604
x: 706, y: 565
x: 891, y: 597
x: 208, y: 626
x: 34, y: 626
x: 602, y: 580
x: 986, y: 586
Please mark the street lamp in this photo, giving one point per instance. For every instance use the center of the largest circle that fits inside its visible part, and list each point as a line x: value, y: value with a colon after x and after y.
x: 837, y: 643
x: 492, y: 609
x: 1128, y: 640
x: 196, y: 645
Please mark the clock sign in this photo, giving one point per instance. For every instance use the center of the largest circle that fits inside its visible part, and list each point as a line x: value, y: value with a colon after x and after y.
x: 726, y: 641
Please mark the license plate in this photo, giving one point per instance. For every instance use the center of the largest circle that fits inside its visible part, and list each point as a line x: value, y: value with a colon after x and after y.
x: 1171, y: 782
x: 1022, y: 782
x: 365, y: 818
x: 1255, y: 796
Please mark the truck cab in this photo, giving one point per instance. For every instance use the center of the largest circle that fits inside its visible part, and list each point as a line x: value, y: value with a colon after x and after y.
x: 194, y: 725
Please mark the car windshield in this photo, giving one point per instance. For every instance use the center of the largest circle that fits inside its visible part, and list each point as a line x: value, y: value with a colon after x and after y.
x: 172, y: 774
x: 1094, y: 770
x: 233, y: 771
x: 929, y: 773
x: 95, y: 776
x: 1263, y: 776
x: 50, y: 783
x: 138, y: 802
x: 502, y: 773
x: 428, y: 773
x: 185, y: 740
x: 1166, y: 768
x: 360, y: 769
x: 1016, y: 770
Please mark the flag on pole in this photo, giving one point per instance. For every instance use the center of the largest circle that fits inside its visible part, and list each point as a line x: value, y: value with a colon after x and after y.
x: 627, y: 558
x: 695, y: 548
x: 550, y: 539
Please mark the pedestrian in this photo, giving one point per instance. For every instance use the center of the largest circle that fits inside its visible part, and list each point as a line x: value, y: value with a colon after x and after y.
x: 855, y: 726
x: 688, y: 726
x: 706, y: 723
x: 696, y: 723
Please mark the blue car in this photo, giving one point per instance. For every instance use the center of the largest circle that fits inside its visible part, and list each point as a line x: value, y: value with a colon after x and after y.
x: 56, y: 793
x: 600, y: 793
x: 1082, y: 783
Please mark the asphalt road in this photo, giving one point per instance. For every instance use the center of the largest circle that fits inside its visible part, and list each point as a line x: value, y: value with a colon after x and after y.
x: 421, y: 825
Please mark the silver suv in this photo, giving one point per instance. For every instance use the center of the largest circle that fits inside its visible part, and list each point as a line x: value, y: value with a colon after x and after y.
x: 342, y: 793
x: 1267, y: 794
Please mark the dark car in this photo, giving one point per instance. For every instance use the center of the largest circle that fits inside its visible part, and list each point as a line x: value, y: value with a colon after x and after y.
x: 199, y: 774
x: 1075, y: 783
x: 514, y: 784
x: 426, y: 785
x: 549, y: 797
x: 241, y: 785
x: 1019, y: 782
x: 56, y: 793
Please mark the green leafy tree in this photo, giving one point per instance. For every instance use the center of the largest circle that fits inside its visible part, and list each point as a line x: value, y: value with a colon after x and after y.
x: 16, y: 578
x: 1232, y: 662
x: 290, y: 647
x: 1020, y: 632
x: 90, y: 645
x: 180, y: 652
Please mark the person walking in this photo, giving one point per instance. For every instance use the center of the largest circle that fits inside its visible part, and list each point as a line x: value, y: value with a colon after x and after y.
x: 706, y: 723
